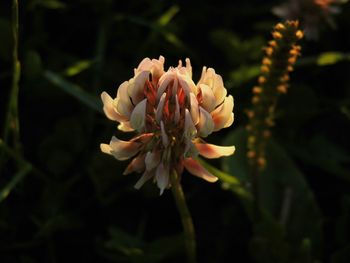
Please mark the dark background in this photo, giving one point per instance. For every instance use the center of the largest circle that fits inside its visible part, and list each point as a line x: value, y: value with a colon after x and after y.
x: 76, y: 206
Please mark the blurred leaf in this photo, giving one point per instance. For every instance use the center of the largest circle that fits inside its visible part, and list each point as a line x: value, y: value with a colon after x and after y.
x: 228, y: 181
x: 324, y: 59
x: 49, y: 4
x: 244, y: 73
x: 125, y: 247
x: 284, y: 191
x: 6, y: 40
x: 168, y: 15
x: 16, y: 178
x: 236, y: 50
x: 329, y: 58
x: 78, y: 67
x: 324, y: 154
x: 74, y: 90
x: 32, y: 66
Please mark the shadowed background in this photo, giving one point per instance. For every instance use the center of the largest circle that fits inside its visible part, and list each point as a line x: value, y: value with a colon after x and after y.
x: 75, y: 204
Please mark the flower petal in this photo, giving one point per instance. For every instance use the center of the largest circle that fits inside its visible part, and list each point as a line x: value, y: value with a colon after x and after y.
x: 109, y: 108
x: 123, y: 103
x: 152, y: 160
x: 190, y: 130
x: 160, y: 108
x: 136, y: 165
x: 125, y: 126
x: 222, y: 115
x: 165, y: 138
x: 194, y: 108
x: 138, y: 116
x: 212, y: 151
x: 198, y: 170
x: 162, y: 177
x: 136, y: 86
x: 121, y: 150
x: 209, y: 101
x: 206, y: 124
x: 144, y: 178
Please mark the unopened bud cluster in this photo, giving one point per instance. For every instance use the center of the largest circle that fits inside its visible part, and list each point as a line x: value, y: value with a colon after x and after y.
x: 280, y: 57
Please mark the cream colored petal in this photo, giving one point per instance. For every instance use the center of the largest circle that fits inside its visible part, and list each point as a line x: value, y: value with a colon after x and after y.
x: 121, y: 150
x: 162, y: 177
x: 219, y: 90
x: 125, y: 127
x: 206, y: 123
x: 136, y: 165
x: 144, y: 178
x: 229, y: 121
x: 164, y: 82
x: 198, y: 170
x: 223, y: 114
x: 152, y: 160
x: 160, y: 108
x: 190, y: 130
x: 145, y: 64
x: 194, y: 109
x: 188, y: 67
x: 136, y: 87
x: 109, y: 108
x: 123, y: 103
x: 138, y: 116
x: 209, y: 101
x: 212, y: 151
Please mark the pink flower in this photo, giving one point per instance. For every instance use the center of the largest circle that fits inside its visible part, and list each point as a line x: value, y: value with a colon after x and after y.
x: 311, y: 13
x: 170, y: 113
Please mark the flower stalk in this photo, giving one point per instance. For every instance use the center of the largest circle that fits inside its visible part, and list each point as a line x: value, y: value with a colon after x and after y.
x: 186, y: 219
x: 280, y: 57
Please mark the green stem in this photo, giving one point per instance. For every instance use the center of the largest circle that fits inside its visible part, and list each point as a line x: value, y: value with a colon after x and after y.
x: 11, y: 121
x: 179, y: 196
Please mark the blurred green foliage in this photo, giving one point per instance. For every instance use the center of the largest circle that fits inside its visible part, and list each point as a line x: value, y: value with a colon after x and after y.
x: 61, y: 200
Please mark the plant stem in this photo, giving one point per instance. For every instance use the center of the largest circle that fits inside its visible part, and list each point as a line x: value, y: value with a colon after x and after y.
x: 11, y: 119
x: 179, y: 196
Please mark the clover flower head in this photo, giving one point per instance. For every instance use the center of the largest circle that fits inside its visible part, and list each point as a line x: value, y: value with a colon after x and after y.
x: 171, y: 115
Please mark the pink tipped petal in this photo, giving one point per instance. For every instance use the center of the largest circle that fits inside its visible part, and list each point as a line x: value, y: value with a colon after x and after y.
x: 138, y: 116
x: 125, y: 127
x: 162, y: 177
x: 212, y: 151
x: 209, y: 101
x: 194, y: 109
x: 152, y: 160
x: 160, y: 108
x: 121, y: 150
x: 198, y: 170
x: 223, y: 114
x: 144, y: 138
x: 144, y: 178
x: 206, y: 124
x: 109, y: 108
x: 190, y: 130
x: 137, y: 165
